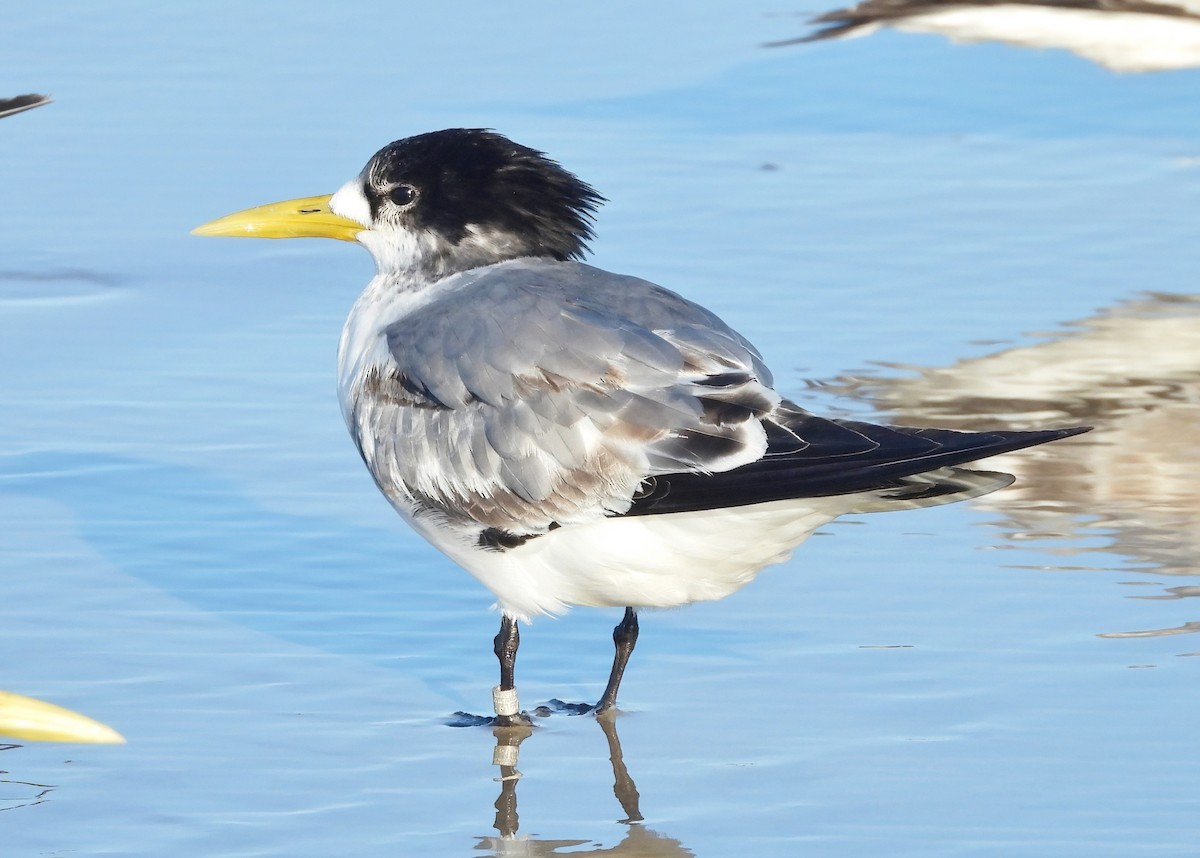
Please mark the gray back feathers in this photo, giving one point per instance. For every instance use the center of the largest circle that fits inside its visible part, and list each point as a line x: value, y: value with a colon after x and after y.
x: 523, y: 395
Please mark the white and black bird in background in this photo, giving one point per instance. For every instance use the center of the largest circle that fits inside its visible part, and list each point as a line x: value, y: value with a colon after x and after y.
x: 568, y: 435
x: 1122, y: 35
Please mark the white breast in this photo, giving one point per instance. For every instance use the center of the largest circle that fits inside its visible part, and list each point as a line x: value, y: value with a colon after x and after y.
x: 364, y: 343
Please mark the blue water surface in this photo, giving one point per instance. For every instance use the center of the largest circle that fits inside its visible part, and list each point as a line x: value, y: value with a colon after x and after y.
x: 192, y: 552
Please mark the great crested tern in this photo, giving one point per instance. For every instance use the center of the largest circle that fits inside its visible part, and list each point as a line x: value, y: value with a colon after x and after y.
x: 571, y: 436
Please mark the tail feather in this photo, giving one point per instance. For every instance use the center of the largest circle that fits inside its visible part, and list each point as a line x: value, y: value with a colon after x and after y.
x: 934, y: 488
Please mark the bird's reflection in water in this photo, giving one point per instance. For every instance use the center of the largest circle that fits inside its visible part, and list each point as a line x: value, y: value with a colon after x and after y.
x: 16, y: 793
x: 1131, y: 487
x: 638, y: 842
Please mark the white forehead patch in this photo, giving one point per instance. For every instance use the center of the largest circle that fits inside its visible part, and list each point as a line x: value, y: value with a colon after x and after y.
x: 351, y: 202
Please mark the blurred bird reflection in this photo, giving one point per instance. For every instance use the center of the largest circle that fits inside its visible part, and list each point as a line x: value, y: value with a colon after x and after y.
x: 1133, y: 485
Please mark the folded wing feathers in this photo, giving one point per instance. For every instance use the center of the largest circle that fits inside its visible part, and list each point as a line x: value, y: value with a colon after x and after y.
x: 564, y: 404
x: 836, y: 458
x: 555, y: 407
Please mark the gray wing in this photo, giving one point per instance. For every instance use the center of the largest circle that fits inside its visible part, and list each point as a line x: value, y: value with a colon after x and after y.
x: 541, y: 393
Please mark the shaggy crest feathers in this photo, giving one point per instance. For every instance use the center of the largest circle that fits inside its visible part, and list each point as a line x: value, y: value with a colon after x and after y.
x: 476, y: 186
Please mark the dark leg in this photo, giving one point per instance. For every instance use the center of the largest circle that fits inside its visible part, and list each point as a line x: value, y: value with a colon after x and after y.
x: 623, y: 786
x: 507, y: 641
x: 504, y: 696
x: 625, y: 636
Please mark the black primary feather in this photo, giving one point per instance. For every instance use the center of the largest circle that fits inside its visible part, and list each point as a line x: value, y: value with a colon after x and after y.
x: 810, y: 456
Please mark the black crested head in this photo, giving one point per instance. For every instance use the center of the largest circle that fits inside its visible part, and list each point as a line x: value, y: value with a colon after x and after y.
x: 482, y: 196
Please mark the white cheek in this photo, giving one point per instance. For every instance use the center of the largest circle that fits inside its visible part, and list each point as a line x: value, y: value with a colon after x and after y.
x: 397, y: 249
x: 394, y: 248
x: 351, y: 202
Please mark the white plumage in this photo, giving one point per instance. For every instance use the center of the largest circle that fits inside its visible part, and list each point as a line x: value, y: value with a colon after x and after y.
x: 1122, y: 35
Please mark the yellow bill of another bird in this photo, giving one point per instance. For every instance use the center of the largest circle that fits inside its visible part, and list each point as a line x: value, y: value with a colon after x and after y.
x: 38, y: 721
x: 307, y: 217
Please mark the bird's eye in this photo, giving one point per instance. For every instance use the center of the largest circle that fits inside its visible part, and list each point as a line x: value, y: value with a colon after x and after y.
x: 403, y: 195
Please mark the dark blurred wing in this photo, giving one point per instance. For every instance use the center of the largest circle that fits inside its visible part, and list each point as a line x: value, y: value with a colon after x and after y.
x: 9, y: 106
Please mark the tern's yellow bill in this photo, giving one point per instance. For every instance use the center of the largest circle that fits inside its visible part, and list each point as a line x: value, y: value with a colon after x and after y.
x: 38, y: 721
x: 307, y: 217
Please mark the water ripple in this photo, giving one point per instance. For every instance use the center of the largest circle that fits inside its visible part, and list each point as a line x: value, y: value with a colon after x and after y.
x: 55, y: 288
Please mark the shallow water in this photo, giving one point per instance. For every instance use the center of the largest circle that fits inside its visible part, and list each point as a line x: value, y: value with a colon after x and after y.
x: 909, y: 229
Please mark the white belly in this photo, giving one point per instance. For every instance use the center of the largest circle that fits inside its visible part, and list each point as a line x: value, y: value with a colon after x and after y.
x: 656, y: 561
